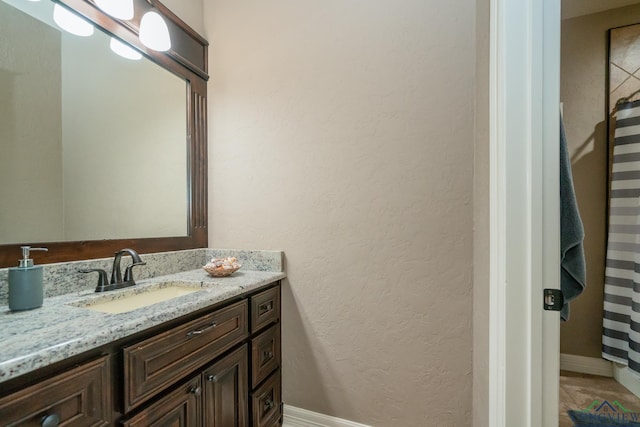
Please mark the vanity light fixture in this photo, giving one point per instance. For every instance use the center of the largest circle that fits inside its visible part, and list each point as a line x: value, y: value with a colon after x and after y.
x: 71, y: 22
x: 121, y: 9
x: 124, y: 50
x: 154, y: 32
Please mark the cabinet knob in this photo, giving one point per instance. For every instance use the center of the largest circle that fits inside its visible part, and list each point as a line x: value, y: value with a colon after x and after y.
x: 267, y: 306
x: 212, y: 378
x: 268, y: 404
x: 52, y: 420
x: 268, y: 354
x: 195, y: 390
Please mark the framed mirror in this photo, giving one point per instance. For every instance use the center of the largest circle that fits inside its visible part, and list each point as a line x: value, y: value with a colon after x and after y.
x: 99, y: 152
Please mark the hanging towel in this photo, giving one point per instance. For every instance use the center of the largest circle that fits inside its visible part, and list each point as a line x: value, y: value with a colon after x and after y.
x: 621, y: 322
x: 572, y: 271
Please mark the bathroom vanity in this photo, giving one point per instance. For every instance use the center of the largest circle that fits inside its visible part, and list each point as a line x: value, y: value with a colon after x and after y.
x: 208, y: 358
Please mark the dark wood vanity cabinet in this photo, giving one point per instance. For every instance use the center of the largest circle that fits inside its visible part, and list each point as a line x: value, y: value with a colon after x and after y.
x: 266, y: 360
x: 233, y: 356
x: 78, y: 397
x: 155, y: 363
x: 232, y: 359
x: 214, y: 398
x: 217, y: 368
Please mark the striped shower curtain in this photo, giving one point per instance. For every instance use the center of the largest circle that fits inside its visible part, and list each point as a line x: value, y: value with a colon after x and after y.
x: 621, y: 323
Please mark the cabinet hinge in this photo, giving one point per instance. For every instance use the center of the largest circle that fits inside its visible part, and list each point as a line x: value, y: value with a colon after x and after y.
x: 553, y: 299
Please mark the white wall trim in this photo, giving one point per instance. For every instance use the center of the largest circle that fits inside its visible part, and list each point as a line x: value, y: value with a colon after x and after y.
x: 623, y: 375
x: 297, y: 417
x: 497, y: 315
x: 586, y: 365
x: 525, y: 215
x: 548, y: 73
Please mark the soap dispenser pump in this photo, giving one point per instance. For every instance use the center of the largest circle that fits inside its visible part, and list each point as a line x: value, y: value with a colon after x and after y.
x: 25, y: 283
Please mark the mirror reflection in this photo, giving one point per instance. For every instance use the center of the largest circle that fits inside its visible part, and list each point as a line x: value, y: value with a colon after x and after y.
x: 92, y: 144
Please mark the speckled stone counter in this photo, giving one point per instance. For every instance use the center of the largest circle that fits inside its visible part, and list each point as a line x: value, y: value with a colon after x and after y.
x: 61, y: 329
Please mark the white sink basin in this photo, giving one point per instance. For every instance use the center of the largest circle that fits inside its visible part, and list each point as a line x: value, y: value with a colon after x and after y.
x: 124, y: 303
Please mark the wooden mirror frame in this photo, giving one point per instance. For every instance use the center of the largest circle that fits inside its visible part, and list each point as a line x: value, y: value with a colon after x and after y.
x: 187, y: 58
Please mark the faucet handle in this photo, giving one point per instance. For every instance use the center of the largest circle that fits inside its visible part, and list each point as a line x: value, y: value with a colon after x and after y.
x: 103, y: 280
x: 128, y: 272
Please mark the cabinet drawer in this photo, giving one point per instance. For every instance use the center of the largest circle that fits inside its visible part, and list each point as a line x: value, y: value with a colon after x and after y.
x: 266, y: 401
x: 180, y: 408
x: 79, y: 397
x: 265, y: 308
x: 265, y: 354
x: 153, y: 364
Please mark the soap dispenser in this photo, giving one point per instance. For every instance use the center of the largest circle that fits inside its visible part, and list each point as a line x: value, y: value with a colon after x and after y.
x: 25, y: 283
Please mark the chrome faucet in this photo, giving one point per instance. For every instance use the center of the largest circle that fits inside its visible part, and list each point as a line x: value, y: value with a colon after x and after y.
x: 117, y: 282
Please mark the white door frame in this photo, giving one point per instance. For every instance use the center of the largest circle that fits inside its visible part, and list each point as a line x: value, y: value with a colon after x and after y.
x: 524, y: 212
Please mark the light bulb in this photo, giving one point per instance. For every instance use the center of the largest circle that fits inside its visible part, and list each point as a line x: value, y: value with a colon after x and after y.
x: 121, y: 9
x: 124, y: 50
x: 154, y: 32
x: 71, y: 22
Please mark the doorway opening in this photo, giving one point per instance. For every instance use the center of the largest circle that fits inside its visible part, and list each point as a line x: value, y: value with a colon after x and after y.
x: 591, y: 80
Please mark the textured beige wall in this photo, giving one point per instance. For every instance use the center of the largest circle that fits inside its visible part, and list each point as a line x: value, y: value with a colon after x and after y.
x: 574, y: 8
x: 342, y: 133
x: 481, y: 222
x: 583, y: 92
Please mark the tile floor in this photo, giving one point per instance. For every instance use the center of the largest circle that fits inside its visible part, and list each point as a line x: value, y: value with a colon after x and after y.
x: 578, y: 391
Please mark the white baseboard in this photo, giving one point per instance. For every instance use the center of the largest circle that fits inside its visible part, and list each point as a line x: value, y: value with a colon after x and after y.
x: 623, y: 375
x: 586, y: 365
x: 296, y: 417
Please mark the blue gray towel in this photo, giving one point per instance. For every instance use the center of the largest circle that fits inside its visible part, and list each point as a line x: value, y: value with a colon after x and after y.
x: 573, y: 271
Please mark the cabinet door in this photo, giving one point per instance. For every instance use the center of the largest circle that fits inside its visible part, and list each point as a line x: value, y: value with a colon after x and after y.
x: 78, y: 398
x: 180, y: 408
x: 225, y: 391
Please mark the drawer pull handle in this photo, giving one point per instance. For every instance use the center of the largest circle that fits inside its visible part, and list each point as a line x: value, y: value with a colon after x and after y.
x: 268, y: 404
x: 267, y: 355
x: 195, y: 390
x: 50, y: 420
x: 201, y: 331
x: 267, y: 306
x: 212, y: 378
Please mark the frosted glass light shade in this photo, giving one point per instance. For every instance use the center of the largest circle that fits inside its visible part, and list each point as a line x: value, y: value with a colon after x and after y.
x: 121, y: 9
x: 71, y: 22
x: 154, y: 32
x: 124, y: 50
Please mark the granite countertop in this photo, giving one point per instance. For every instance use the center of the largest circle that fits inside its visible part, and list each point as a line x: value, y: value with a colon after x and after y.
x: 37, y: 338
